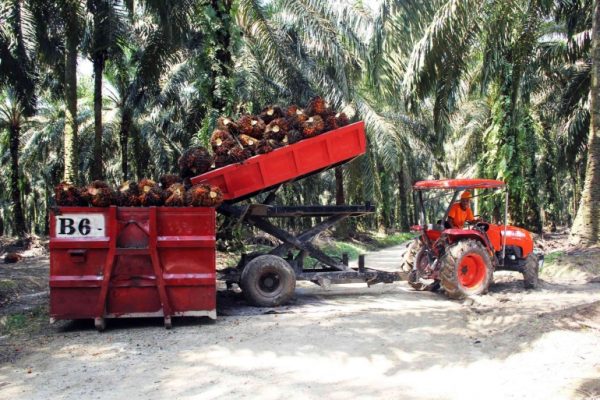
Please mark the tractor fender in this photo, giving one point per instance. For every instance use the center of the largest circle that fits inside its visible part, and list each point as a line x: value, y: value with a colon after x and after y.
x: 454, y: 235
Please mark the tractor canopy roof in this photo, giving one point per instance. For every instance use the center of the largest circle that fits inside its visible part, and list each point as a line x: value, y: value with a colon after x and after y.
x: 459, y: 184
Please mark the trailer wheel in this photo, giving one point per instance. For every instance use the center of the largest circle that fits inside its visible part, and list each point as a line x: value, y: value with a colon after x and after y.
x: 466, y: 269
x: 268, y: 281
x: 530, y: 272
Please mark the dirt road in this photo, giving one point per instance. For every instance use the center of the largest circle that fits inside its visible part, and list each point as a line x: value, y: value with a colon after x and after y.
x: 347, y: 342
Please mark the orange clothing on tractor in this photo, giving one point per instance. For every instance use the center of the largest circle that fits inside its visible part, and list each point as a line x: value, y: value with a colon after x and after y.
x: 461, y: 212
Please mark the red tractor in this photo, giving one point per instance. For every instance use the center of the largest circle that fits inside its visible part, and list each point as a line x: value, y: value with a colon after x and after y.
x: 461, y: 261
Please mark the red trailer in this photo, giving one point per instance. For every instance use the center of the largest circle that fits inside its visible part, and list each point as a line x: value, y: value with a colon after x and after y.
x: 132, y: 262
x: 160, y: 261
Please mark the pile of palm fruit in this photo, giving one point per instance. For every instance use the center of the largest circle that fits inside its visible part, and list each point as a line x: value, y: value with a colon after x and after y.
x: 171, y: 191
x: 234, y: 141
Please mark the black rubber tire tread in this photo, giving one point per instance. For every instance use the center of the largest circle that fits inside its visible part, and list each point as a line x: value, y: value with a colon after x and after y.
x: 449, y: 264
x: 410, y: 255
x: 531, y: 272
x: 249, y: 281
x: 415, y: 282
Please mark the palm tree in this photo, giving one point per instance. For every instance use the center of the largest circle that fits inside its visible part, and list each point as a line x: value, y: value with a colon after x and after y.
x: 586, y: 228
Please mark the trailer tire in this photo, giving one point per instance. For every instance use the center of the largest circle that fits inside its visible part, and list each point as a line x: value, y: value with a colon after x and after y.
x: 531, y: 272
x: 268, y: 281
x: 466, y: 269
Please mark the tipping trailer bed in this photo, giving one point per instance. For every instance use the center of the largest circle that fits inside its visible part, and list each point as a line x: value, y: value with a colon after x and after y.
x: 265, y: 174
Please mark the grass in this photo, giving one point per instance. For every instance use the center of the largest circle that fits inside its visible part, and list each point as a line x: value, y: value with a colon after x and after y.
x: 26, y: 322
x: 551, y: 258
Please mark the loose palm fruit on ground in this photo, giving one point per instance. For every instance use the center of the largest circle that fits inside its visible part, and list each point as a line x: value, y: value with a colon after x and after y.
x: 203, y: 195
x: 221, y: 141
x: 252, y: 126
x: 270, y: 113
x: 175, y: 195
x: 68, y: 195
x: 194, y: 161
x: 150, y: 193
x: 313, y: 126
x: 98, y: 194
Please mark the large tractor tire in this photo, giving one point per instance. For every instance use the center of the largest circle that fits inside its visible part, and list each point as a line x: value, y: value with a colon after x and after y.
x: 408, y: 263
x: 268, y: 281
x: 530, y: 272
x: 465, y: 269
x: 414, y: 279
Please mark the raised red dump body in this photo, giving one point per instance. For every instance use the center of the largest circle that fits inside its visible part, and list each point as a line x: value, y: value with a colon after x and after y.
x: 288, y: 163
x: 132, y: 262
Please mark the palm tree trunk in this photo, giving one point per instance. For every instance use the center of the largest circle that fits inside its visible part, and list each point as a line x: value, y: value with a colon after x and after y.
x: 70, y: 131
x: 403, y: 192
x: 97, y: 170
x: 19, y: 218
x: 124, y: 140
x: 586, y: 227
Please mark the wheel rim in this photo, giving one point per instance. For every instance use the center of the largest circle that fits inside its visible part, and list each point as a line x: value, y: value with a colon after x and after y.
x: 269, y: 282
x: 472, y: 271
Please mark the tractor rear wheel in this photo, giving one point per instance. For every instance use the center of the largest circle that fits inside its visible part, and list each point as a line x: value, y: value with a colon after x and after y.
x: 465, y: 269
x: 408, y: 263
x: 414, y: 277
x: 268, y: 281
x: 530, y: 272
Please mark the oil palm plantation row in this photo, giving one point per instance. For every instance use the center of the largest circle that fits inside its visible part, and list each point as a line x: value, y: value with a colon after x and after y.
x: 446, y: 88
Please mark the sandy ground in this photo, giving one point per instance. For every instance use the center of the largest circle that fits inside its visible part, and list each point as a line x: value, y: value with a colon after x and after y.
x: 350, y: 341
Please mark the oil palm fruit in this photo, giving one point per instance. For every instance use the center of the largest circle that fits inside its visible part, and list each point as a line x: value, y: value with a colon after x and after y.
x: 277, y: 129
x: 150, y: 193
x: 238, y: 154
x: 227, y: 124
x: 175, y: 195
x: 335, y: 121
x: 194, y: 161
x: 316, y: 106
x: 313, y: 126
x: 98, y: 194
x: 68, y: 195
x: 295, y: 116
x: 248, y: 142
x: 271, y: 113
x: 264, y: 147
x: 294, y: 136
x: 221, y: 141
x: 204, y: 195
x: 252, y: 126
x: 127, y: 195
x: 168, y: 179
x: 222, y: 160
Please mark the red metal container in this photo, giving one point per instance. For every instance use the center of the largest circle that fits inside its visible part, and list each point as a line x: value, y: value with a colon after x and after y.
x: 288, y: 163
x: 132, y: 262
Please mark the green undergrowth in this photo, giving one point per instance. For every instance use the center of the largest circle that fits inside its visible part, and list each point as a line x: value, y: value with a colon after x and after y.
x: 24, y: 322
x: 581, y: 264
x: 335, y: 248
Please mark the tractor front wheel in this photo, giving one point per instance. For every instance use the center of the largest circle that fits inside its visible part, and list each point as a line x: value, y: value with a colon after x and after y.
x: 530, y: 272
x: 466, y: 269
x: 268, y: 281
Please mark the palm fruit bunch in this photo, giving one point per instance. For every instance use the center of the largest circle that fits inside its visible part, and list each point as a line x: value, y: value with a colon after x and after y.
x: 127, y: 195
x: 316, y: 106
x: 264, y: 147
x: 194, y: 161
x: 248, y: 142
x: 271, y: 113
x: 313, y: 126
x: 98, y: 194
x: 251, y: 125
x: 335, y: 121
x: 296, y: 116
x: 228, y: 125
x: 175, y: 195
x: 150, y: 193
x: 68, y: 195
x: 204, y: 195
x: 222, y: 141
x: 238, y: 154
x: 294, y: 136
x: 168, y: 180
x: 277, y: 129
